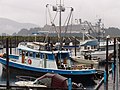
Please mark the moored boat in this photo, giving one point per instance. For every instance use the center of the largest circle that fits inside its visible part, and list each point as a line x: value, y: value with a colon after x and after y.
x: 101, y: 52
x: 38, y: 62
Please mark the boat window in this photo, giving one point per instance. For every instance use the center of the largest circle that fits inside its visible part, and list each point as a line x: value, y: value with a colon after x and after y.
x: 26, y: 54
x: 31, y: 54
x: 41, y: 55
x: 93, y: 47
x: 63, y: 55
x: 50, y: 56
x: 37, y: 55
x: 34, y: 55
x: 20, y: 52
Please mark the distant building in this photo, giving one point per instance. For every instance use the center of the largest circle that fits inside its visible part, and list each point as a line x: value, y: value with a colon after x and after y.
x: 83, y: 27
x: 73, y: 30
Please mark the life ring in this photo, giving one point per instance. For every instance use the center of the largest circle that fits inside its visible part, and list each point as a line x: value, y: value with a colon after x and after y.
x: 29, y: 61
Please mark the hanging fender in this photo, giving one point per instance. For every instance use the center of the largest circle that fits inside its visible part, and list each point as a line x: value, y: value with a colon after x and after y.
x: 29, y: 61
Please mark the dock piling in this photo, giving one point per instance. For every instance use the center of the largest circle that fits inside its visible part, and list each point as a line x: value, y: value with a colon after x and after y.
x: 75, y: 46
x: 114, y: 56
x: 106, y: 66
x: 7, y: 59
x: 69, y: 84
x: 117, y: 68
x: 10, y: 46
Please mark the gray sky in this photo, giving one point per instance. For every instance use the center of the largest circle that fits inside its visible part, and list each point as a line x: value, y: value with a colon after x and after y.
x: 33, y: 11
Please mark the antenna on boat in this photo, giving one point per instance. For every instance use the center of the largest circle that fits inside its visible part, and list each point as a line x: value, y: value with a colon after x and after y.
x: 99, y: 22
x: 60, y: 24
x: 59, y: 8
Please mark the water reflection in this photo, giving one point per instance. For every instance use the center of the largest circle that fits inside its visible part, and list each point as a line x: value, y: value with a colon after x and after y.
x: 3, y: 75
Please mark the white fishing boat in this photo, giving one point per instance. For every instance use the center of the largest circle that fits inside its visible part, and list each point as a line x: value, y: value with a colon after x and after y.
x: 101, y: 52
x: 88, y: 61
x: 83, y: 53
x: 89, y: 44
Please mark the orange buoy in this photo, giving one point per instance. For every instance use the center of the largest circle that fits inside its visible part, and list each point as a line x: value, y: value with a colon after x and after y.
x: 29, y: 61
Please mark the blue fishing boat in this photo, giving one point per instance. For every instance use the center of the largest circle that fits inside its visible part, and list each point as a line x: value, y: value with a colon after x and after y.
x: 34, y: 62
x: 35, y: 58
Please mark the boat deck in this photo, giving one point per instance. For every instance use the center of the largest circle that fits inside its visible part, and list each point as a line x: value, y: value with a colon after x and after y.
x: 80, y: 59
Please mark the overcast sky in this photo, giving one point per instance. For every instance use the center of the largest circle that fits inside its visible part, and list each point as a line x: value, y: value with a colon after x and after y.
x: 33, y: 11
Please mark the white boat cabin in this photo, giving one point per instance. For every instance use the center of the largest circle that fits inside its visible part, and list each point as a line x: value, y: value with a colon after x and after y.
x: 44, y: 59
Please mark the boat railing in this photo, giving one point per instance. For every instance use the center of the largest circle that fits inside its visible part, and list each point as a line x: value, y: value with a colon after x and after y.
x: 66, y: 66
x: 81, y: 66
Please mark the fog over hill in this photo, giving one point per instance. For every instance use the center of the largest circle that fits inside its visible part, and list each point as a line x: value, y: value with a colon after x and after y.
x: 12, y: 27
x: 9, y: 26
x: 112, y: 31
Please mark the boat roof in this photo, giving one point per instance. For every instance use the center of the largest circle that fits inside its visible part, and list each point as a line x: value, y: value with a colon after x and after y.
x: 40, y: 43
x: 90, y: 43
x: 37, y: 51
x: 33, y: 43
x: 70, y: 47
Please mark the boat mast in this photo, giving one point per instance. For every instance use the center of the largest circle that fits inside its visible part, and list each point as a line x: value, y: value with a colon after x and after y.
x: 59, y: 8
x: 99, y: 32
x: 60, y: 25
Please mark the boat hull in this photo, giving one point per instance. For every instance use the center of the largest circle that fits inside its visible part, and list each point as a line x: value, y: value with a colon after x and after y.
x: 79, y: 76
